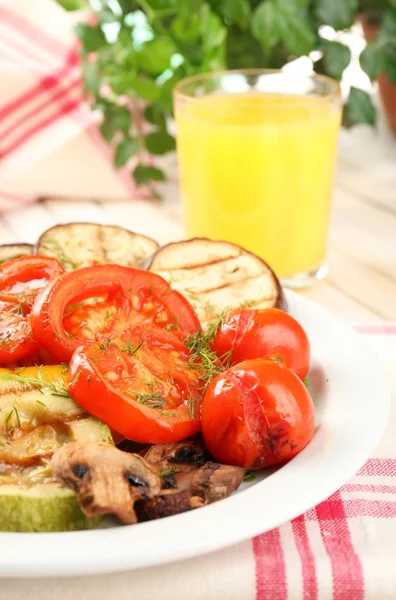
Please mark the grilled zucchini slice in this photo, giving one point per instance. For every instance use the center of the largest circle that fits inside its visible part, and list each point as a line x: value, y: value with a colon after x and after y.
x: 37, y: 417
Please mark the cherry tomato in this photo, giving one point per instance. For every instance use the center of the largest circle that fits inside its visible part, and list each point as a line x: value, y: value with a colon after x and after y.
x: 256, y: 414
x: 270, y: 333
x: 141, y: 384
x: 125, y: 297
x: 20, y: 281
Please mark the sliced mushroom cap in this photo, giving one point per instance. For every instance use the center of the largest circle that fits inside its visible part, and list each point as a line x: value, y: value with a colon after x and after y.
x: 166, y: 504
x: 177, y: 457
x: 192, y: 489
x: 105, y: 479
x: 213, y: 481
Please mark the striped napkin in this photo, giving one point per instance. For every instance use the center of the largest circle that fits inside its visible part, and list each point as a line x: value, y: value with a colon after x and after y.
x: 344, y: 549
x: 49, y: 139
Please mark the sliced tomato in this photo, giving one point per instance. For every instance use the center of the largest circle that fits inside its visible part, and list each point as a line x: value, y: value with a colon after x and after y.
x: 20, y: 282
x: 125, y: 297
x: 141, y: 384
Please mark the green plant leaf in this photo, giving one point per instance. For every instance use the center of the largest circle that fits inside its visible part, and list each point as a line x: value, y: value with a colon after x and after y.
x: 213, y: 31
x: 336, y: 58
x: 284, y: 21
x: 92, y: 37
x: 120, y: 82
x: 186, y: 27
x: 159, y: 142
x: 155, y: 55
x: 359, y: 108
x: 339, y: 14
x: 372, y: 60
x: 265, y: 25
x: 146, y: 88
x: 116, y: 118
x: 125, y: 149
x: 73, y: 4
x: 162, y: 4
x: 236, y: 11
x: 143, y: 174
x: 390, y: 69
x: 388, y: 25
x: 297, y: 36
x: 155, y: 115
x: 90, y: 77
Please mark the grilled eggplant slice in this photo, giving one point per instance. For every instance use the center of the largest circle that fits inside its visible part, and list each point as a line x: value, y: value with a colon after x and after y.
x: 11, y: 251
x: 78, y: 245
x: 37, y: 417
x: 217, y: 275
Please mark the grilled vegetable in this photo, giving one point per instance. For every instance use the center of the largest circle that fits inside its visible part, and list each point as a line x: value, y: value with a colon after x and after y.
x: 11, y: 251
x: 37, y: 417
x: 78, y: 245
x: 215, y: 275
x: 108, y: 480
x: 105, y: 479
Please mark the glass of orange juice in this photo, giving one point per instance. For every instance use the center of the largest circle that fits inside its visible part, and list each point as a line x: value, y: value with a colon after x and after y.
x: 257, y: 151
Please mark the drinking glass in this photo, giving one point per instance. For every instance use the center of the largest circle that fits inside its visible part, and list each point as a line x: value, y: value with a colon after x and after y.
x: 257, y: 152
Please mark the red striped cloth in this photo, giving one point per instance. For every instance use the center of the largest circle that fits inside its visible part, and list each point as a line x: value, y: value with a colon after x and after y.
x: 344, y: 548
x: 41, y: 102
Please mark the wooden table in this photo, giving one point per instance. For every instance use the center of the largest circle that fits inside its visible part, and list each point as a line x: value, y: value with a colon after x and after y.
x: 361, y: 285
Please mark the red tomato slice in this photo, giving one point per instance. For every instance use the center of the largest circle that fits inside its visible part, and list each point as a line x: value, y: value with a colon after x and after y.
x: 256, y: 414
x: 130, y: 297
x: 142, y: 385
x: 20, y: 282
x: 270, y: 333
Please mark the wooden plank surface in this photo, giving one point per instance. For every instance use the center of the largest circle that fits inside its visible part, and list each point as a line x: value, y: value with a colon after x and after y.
x: 361, y: 285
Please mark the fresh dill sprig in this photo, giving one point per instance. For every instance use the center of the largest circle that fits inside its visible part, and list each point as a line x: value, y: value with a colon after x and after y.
x: 130, y: 348
x: 53, y: 246
x: 36, y: 382
x: 202, y: 357
x: 154, y: 400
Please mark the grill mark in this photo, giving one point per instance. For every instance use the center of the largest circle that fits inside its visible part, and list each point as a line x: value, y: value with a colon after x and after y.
x: 229, y: 284
x: 215, y: 261
x: 101, y: 244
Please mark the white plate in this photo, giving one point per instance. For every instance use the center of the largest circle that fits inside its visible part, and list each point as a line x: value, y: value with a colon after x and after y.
x: 352, y: 401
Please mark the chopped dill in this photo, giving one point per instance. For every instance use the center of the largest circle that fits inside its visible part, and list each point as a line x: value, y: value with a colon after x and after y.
x: 17, y: 416
x: 130, y: 348
x: 154, y: 400
x: 21, y: 310
x: 37, y: 383
x: 249, y: 476
x: 75, y: 380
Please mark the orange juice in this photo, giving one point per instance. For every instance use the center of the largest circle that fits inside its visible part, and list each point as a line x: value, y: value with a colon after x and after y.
x: 257, y: 169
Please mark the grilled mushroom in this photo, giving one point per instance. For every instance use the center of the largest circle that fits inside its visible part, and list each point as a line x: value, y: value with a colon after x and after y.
x: 105, y: 479
x: 176, y: 457
x: 212, y: 482
x: 191, y: 489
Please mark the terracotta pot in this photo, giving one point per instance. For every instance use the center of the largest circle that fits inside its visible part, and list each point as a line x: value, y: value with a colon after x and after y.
x: 387, y: 88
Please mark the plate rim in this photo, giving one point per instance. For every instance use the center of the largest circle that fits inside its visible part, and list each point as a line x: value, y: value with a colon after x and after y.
x: 50, y: 560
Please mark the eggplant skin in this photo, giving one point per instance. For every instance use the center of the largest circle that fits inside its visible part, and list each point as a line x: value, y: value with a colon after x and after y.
x: 12, y: 251
x: 215, y: 275
x: 78, y: 245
